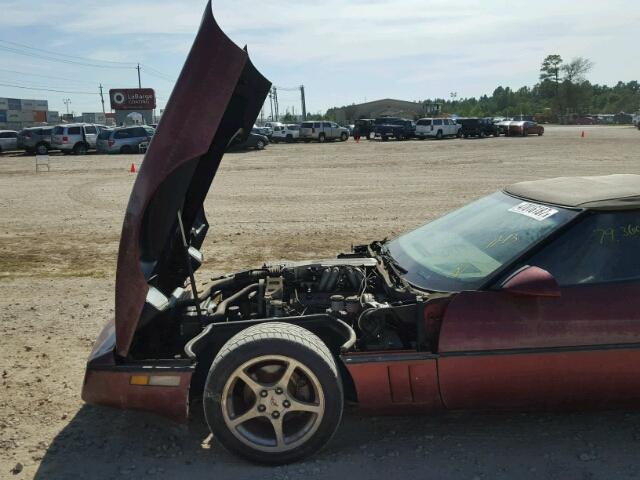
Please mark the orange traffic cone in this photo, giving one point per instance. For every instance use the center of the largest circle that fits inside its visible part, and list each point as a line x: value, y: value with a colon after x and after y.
x: 133, y: 168
x: 582, y: 134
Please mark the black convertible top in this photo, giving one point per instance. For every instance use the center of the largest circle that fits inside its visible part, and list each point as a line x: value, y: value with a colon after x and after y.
x: 607, y: 192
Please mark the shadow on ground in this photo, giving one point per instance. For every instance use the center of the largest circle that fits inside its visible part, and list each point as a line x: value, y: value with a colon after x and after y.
x: 101, y: 443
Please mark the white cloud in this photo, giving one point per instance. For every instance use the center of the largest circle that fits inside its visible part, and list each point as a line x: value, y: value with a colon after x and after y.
x: 404, y: 48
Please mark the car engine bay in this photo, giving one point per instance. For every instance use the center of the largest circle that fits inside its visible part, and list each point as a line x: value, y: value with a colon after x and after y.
x: 356, y: 288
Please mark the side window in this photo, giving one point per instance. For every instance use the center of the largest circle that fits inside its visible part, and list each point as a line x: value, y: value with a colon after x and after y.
x: 326, y: 125
x: 73, y: 131
x: 601, y: 248
x: 437, y: 122
x: 121, y: 134
x: 90, y: 129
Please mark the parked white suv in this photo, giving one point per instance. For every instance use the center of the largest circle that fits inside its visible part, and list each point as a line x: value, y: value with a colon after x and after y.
x: 437, y: 128
x: 77, y: 138
x: 285, y: 133
x: 323, y: 131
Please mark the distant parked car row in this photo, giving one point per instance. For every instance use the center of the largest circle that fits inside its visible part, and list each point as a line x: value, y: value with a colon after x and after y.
x: 77, y: 138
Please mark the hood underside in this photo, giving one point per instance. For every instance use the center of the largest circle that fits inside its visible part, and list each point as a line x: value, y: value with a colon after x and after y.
x: 217, y: 97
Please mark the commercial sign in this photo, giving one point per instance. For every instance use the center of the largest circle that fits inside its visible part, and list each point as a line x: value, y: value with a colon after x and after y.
x: 132, y: 98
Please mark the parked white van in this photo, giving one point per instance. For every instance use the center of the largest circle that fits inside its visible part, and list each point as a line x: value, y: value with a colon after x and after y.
x: 437, y: 128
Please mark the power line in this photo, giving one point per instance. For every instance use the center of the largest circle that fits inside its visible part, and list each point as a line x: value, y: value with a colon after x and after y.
x: 22, y: 45
x: 47, y: 76
x: 46, y: 89
x: 58, y: 60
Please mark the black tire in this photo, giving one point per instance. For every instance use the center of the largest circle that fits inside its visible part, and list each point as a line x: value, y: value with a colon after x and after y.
x: 482, y: 135
x: 439, y: 135
x: 399, y: 137
x: 385, y: 138
x: 322, y: 138
x: 261, y: 341
x: 344, y: 136
x: 289, y: 138
x: 260, y: 145
x: 459, y: 134
x: 80, y: 149
x: 466, y: 135
x: 524, y: 132
x: 126, y: 150
x: 42, y: 149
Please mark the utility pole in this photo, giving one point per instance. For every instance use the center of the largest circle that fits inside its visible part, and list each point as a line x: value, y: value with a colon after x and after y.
x: 304, y: 103
x: 67, y: 102
x: 139, y: 82
x: 275, y: 101
x: 102, y: 99
x: 271, y: 103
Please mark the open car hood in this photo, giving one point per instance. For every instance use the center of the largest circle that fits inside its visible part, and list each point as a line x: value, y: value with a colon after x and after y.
x: 218, y: 95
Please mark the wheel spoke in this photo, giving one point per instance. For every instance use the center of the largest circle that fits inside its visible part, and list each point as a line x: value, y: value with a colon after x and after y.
x: 298, y: 406
x: 279, y: 431
x: 248, y: 415
x: 286, y: 376
x: 250, y: 382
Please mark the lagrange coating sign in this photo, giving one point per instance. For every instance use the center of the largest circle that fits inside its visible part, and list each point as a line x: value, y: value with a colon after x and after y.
x: 132, y: 98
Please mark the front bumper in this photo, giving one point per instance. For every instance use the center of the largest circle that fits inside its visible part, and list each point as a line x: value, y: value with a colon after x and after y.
x: 157, y: 386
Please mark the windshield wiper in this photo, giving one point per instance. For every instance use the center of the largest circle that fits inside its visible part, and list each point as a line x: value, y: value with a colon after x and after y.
x: 389, y: 261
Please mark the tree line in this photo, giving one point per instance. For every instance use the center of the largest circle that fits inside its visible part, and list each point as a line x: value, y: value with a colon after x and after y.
x: 562, y: 90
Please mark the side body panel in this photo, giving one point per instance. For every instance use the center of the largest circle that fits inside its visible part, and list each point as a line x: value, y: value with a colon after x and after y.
x: 393, y: 383
x: 579, y: 350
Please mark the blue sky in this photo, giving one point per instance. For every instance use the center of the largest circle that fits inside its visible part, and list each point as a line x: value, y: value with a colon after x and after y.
x: 343, y: 51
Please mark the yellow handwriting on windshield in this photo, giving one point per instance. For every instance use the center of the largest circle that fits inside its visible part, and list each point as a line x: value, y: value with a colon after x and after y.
x: 630, y: 230
x: 459, y: 270
x: 503, y: 240
x: 606, y: 235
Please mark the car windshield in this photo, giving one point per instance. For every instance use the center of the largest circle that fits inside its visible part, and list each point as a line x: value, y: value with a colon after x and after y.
x: 461, y: 250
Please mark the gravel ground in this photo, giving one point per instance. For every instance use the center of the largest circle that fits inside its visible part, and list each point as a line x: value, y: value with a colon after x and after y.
x: 58, y: 243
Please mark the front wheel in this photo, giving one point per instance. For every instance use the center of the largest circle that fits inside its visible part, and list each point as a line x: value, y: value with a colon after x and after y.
x: 42, y: 149
x: 80, y: 149
x: 344, y: 136
x: 439, y: 135
x: 260, y: 145
x: 273, y: 394
x: 321, y: 138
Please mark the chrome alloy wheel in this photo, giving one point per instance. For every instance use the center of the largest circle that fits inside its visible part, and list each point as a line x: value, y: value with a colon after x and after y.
x: 273, y: 403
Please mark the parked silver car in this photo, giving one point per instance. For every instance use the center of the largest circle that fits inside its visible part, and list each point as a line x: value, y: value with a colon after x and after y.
x: 322, y: 131
x: 124, y: 139
x: 77, y: 138
x: 8, y: 140
x: 35, y: 140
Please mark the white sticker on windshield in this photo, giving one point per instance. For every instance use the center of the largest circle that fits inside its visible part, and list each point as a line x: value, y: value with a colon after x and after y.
x: 533, y: 210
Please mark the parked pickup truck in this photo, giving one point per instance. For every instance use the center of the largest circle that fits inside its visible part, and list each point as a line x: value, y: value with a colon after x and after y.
x: 398, y: 128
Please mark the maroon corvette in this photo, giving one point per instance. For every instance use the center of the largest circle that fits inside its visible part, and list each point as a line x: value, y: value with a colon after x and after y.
x: 528, y: 298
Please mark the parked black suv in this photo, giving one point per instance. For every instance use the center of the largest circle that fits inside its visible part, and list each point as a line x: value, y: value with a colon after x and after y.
x: 477, y: 127
x: 365, y: 126
x: 398, y: 128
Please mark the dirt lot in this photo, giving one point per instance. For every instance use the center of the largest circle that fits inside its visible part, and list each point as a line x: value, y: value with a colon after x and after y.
x: 58, y: 242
